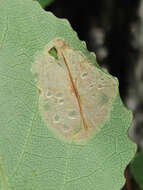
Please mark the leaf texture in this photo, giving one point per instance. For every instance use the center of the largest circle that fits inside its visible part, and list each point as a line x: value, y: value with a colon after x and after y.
x: 32, y: 157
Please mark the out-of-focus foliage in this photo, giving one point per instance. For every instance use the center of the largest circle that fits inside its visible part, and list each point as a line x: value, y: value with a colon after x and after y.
x: 137, y: 168
x: 45, y: 3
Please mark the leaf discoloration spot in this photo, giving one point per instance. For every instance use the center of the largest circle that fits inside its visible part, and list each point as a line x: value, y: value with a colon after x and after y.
x: 79, y: 94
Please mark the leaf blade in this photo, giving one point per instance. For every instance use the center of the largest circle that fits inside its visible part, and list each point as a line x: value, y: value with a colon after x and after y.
x: 35, y: 157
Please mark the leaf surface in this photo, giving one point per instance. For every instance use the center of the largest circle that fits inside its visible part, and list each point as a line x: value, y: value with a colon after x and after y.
x: 31, y: 155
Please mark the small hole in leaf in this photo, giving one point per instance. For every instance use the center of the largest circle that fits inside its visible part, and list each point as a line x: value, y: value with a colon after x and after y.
x: 94, y: 96
x: 100, y: 86
x: 84, y: 75
x: 72, y: 114
x: 61, y: 101
x: 59, y: 95
x: 48, y: 94
x: 53, y: 52
x: 104, y: 99
x: 92, y: 85
x: 56, y: 119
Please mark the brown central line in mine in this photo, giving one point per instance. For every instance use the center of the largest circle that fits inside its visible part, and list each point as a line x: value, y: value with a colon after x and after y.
x: 76, y: 93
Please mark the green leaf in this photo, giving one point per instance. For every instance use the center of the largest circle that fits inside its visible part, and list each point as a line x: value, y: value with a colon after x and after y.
x: 31, y: 156
x: 137, y: 169
x: 45, y: 3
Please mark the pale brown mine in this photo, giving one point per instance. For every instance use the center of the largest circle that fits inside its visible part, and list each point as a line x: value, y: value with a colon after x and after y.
x: 76, y: 97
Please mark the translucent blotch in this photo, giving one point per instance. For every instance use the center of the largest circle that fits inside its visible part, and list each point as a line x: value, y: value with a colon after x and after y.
x: 76, y: 97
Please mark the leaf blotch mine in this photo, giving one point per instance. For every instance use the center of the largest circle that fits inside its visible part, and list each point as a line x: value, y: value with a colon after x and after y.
x: 77, y: 96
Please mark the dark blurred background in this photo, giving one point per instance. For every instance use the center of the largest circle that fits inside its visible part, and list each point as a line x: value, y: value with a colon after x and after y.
x: 113, y: 29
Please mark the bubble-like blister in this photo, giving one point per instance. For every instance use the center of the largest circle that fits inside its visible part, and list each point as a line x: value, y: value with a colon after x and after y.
x: 72, y: 115
x: 48, y: 94
x: 76, y: 97
x: 84, y: 75
x: 56, y: 119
